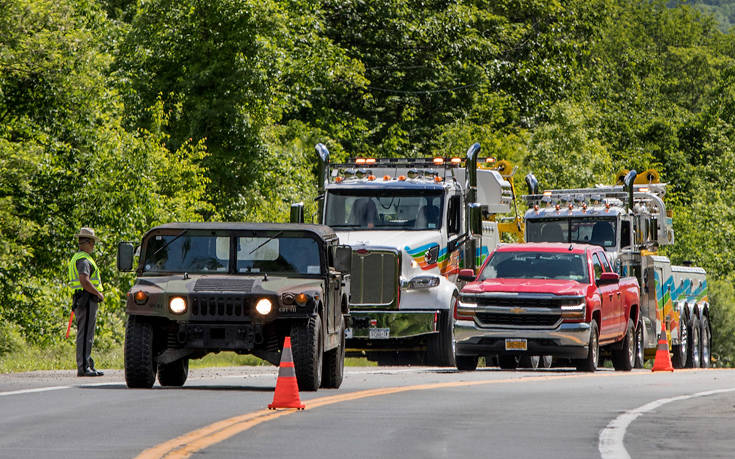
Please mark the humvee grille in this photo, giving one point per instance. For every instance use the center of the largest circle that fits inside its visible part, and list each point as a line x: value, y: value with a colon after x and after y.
x: 224, y: 285
x: 219, y: 307
x: 375, y: 278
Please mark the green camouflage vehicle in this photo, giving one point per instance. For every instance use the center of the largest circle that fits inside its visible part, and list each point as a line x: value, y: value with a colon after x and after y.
x: 242, y: 287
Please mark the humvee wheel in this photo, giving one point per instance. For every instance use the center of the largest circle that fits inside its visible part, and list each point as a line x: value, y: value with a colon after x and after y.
x: 307, y: 348
x: 140, y: 363
x: 174, y: 373
x: 334, y: 362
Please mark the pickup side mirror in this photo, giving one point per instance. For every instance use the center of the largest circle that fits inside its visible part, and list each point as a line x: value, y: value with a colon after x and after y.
x: 343, y: 258
x: 467, y: 275
x: 608, y: 278
x: 125, y: 253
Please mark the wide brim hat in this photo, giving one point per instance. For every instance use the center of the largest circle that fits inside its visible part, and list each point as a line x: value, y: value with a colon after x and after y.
x: 87, y: 233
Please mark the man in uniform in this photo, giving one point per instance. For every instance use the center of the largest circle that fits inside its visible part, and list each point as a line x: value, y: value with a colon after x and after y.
x: 85, y: 279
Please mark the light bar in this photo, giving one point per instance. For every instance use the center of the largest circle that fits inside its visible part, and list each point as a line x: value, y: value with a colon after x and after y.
x: 438, y: 161
x: 360, y: 161
x: 455, y: 161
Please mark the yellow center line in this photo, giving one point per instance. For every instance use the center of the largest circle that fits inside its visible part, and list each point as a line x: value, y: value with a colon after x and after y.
x: 197, y: 440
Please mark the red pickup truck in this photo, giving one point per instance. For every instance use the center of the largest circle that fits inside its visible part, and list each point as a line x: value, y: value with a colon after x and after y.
x: 546, y: 299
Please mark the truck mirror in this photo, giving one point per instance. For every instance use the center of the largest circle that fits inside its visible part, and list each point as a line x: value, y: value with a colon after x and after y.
x: 125, y: 253
x: 343, y: 258
x: 466, y: 275
x: 297, y: 212
x: 532, y: 183
x: 608, y: 278
x: 475, y: 211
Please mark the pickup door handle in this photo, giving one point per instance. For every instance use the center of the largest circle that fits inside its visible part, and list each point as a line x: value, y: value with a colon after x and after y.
x: 618, y: 293
x: 611, y: 296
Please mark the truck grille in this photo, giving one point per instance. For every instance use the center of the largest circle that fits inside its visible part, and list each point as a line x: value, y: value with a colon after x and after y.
x: 234, y: 307
x: 375, y: 277
x: 523, y: 320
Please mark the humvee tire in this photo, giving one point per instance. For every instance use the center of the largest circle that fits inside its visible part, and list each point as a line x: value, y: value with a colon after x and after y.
x: 307, y: 348
x: 334, y: 363
x: 174, y: 373
x: 140, y: 363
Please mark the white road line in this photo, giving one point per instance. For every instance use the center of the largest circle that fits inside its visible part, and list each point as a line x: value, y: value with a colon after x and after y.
x: 611, y: 437
x: 50, y: 388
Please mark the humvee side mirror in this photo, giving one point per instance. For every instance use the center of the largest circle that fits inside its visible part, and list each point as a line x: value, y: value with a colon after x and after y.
x: 125, y: 253
x: 343, y: 258
x: 467, y: 275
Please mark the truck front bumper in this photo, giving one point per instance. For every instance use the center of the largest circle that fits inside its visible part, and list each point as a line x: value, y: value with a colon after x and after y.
x: 387, y: 329
x: 568, y: 340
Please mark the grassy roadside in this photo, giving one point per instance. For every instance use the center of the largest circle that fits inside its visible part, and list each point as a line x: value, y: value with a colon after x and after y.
x: 62, y: 357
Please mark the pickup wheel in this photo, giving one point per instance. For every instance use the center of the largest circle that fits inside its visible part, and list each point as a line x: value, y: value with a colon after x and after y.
x: 529, y: 361
x: 705, y: 359
x: 693, y: 357
x: 441, y: 346
x: 624, y: 358
x: 593, y: 356
x: 174, y: 373
x: 140, y: 361
x: 466, y: 362
x: 508, y: 361
x: 307, y: 348
x: 334, y: 362
x: 640, y: 351
x: 681, y: 350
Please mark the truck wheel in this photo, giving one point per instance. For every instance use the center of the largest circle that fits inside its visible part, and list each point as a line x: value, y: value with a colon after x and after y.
x: 640, y: 351
x: 441, y: 346
x: 546, y: 361
x: 307, y: 348
x: 705, y: 359
x: 529, y: 361
x: 174, y: 373
x: 593, y: 355
x: 334, y: 362
x: 466, y: 362
x: 140, y: 362
x: 508, y: 361
x: 681, y: 351
x: 624, y: 358
x: 693, y: 359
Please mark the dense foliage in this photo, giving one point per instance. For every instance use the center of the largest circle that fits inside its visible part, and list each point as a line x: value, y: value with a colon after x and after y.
x: 121, y: 114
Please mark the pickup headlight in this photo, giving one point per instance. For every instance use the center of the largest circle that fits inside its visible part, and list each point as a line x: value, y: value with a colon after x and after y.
x: 420, y: 282
x: 574, y: 311
x: 177, y: 305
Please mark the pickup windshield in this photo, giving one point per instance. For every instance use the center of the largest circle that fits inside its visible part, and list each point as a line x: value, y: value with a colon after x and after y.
x: 210, y: 252
x: 597, y: 231
x: 376, y: 209
x: 536, y: 265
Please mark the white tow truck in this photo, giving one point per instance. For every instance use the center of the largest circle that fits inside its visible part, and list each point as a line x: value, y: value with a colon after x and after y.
x: 408, y: 222
x: 630, y: 221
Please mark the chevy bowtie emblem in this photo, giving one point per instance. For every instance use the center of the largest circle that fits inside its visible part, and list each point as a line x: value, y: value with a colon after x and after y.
x: 517, y: 310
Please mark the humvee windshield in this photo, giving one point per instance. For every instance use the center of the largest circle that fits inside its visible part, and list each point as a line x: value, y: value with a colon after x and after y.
x: 211, y: 252
x: 384, y: 209
x: 536, y: 265
x: 596, y: 231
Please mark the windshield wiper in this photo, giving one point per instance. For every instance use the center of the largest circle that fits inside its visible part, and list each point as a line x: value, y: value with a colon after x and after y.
x: 169, y: 242
x: 266, y: 241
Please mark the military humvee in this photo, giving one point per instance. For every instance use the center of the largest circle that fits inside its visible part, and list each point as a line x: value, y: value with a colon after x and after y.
x: 242, y: 287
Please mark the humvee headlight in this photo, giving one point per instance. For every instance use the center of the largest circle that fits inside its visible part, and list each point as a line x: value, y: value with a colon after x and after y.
x: 301, y: 299
x: 177, y: 305
x: 264, y: 306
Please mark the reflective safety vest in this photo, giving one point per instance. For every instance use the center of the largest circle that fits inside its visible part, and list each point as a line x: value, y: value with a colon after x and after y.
x: 94, y: 276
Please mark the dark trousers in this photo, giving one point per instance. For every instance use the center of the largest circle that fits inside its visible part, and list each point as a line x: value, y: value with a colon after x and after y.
x: 85, y: 311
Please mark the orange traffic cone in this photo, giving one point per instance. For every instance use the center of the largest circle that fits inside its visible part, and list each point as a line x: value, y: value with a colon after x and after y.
x: 662, y: 362
x: 287, y: 389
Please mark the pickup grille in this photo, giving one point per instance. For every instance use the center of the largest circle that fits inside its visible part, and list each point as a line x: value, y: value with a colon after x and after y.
x: 375, y: 278
x: 522, y: 320
x: 540, y: 301
x: 526, y: 310
x: 219, y: 307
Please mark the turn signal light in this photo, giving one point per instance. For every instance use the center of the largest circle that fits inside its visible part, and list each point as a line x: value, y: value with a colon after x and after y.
x: 301, y: 299
x: 401, y: 177
x: 140, y: 297
x: 386, y: 177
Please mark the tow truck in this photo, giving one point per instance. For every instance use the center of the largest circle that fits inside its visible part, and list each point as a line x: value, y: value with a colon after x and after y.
x: 408, y: 223
x: 630, y: 221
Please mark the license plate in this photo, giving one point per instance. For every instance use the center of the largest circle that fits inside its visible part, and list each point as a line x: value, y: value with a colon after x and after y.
x: 348, y: 333
x: 516, y: 344
x: 379, y: 333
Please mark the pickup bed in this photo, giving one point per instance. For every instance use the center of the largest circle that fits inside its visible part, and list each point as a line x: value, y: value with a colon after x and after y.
x: 546, y: 299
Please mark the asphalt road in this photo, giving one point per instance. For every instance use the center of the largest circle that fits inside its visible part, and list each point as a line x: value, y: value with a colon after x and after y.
x: 378, y: 412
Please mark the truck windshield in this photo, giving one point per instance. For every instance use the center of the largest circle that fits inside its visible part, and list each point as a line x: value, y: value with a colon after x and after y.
x: 384, y: 209
x: 209, y: 252
x: 596, y: 231
x: 536, y: 265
